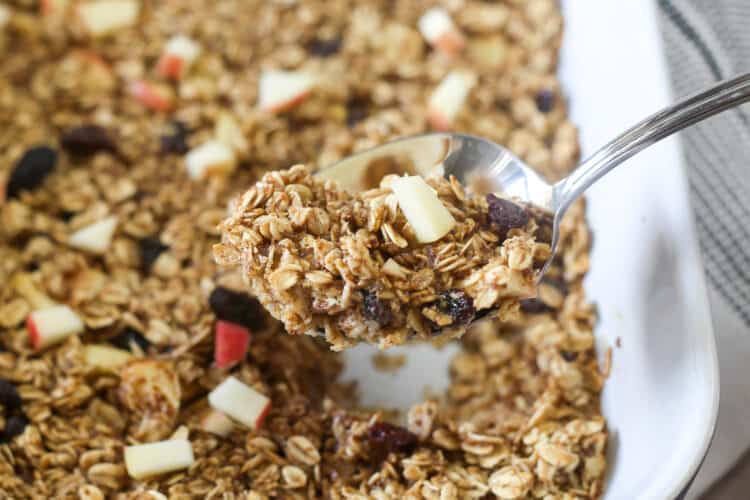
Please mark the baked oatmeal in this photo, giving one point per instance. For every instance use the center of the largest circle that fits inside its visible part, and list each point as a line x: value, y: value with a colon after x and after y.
x: 410, y: 259
x: 132, y: 367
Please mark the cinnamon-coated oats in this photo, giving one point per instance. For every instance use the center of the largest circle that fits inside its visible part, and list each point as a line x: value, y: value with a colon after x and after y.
x: 521, y: 417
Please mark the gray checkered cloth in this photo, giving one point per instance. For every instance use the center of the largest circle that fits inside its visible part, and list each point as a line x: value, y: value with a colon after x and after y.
x: 706, y: 41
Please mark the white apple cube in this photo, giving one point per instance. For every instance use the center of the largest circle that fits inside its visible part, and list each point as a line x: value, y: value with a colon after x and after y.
x: 217, y: 423
x: 438, y: 29
x: 422, y: 208
x: 179, y: 54
x: 96, y: 237
x: 210, y: 158
x: 281, y: 90
x: 448, y: 99
x: 52, y: 325
x: 240, y: 402
x: 151, y: 459
x: 106, y: 16
x: 105, y: 357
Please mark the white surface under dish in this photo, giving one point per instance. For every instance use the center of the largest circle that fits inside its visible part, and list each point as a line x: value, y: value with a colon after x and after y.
x: 646, y: 275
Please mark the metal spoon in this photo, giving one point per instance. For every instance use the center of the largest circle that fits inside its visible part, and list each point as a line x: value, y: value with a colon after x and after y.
x: 470, y: 158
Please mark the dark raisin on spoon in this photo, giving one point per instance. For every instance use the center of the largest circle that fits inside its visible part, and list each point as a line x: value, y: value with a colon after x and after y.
x: 87, y: 140
x: 458, y: 305
x: 31, y: 170
x: 505, y: 215
x: 376, y: 309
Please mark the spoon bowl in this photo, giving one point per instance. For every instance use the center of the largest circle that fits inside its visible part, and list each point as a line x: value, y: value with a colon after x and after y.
x: 482, y: 166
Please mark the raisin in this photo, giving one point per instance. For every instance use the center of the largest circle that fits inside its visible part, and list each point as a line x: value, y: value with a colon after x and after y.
x: 533, y: 306
x: 384, y: 438
x: 569, y: 356
x: 151, y: 247
x: 545, y: 100
x: 87, y: 140
x: 9, y: 397
x: 14, y: 426
x: 236, y: 307
x: 356, y: 111
x: 175, y: 142
x: 376, y: 309
x: 324, y: 48
x: 506, y: 215
x: 458, y: 305
x: 128, y: 337
x: 30, y: 171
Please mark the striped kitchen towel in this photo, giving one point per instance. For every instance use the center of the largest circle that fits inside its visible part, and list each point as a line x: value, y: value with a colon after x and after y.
x: 706, y: 41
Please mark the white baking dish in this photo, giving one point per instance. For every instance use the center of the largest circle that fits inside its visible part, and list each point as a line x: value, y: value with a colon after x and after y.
x: 662, y: 397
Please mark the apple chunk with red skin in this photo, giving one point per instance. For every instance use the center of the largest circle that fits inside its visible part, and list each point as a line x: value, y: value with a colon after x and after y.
x: 240, y: 402
x: 152, y: 95
x: 231, y: 343
x: 280, y: 91
x: 448, y: 98
x: 52, y: 325
x: 438, y: 29
x: 179, y: 54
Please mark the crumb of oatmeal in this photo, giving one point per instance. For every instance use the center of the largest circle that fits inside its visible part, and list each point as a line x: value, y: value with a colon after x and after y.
x: 388, y: 363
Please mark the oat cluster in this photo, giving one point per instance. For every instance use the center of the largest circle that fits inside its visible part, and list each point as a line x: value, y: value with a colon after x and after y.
x: 349, y: 267
x: 91, y: 135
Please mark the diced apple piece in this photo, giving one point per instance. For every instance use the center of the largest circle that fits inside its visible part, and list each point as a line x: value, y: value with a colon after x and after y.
x: 179, y: 54
x: 448, y: 99
x: 96, y: 237
x: 152, y: 95
x: 151, y: 459
x: 422, y: 208
x: 282, y: 90
x: 217, y: 423
x: 210, y: 158
x: 438, y: 29
x: 229, y: 133
x: 106, y: 16
x: 231, y: 343
x: 54, y: 7
x: 240, y: 402
x: 52, y: 325
x: 105, y: 357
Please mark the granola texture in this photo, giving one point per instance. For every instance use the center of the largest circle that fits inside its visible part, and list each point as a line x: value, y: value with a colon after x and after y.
x: 349, y: 267
x: 521, y: 417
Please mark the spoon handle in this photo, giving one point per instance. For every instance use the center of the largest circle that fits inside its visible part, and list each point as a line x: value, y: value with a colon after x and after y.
x: 720, y: 97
